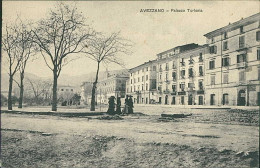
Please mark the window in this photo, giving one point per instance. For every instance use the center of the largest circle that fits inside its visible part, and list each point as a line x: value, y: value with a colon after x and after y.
x: 174, y: 76
x: 131, y: 81
x: 190, y: 72
x: 134, y: 88
x: 160, y: 67
x: 242, y: 76
x: 167, y: 67
x: 160, y: 88
x: 225, y: 35
x: 131, y: 89
x: 241, y: 29
x: 258, y: 54
x: 147, y: 68
x: 225, y: 61
x: 201, y: 70
x: 183, y: 74
x: 212, y: 40
x: 225, y: 99
x: 160, y: 76
x: 61, y: 89
x: 225, y: 45
x: 191, y: 60
x: 142, y: 78
x: 131, y: 74
x: 212, y: 64
x: 212, y: 80
x: 241, y: 58
x: 225, y: 78
x: 166, y: 77
x: 146, y: 86
x: 72, y: 90
x: 146, y: 77
x: 182, y: 86
x: 154, y: 68
x: 258, y: 36
x: 200, y: 85
x: 182, y: 62
x: 174, y: 88
x: 173, y: 65
x: 241, y: 41
x: 213, y: 49
x: 142, y: 86
x: 200, y: 58
x: 138, y: 79
x: 134, y: 80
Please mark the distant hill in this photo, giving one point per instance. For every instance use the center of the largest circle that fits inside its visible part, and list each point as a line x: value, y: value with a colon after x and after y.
x: 75, y: 81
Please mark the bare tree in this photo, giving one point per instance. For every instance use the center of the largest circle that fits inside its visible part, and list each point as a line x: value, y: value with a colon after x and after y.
x: 60, y: 35
x: 39, y: 88
x: 10, y: 43
x: 26, y: 46
x: 106, y: 50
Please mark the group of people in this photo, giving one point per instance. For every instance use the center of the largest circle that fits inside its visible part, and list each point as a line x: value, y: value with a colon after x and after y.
x: 128, y: 108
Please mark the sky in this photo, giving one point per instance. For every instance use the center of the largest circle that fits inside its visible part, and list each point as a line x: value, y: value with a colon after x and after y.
x: 151, y: 32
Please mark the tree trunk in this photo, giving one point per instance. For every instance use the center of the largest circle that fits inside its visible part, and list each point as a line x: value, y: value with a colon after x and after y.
x: 54, y: 89
x: 21, y: 90
x: 10, y: 93
x: 93, y: 97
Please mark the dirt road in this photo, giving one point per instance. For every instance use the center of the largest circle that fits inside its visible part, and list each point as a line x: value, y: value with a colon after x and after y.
x: 135, y: 141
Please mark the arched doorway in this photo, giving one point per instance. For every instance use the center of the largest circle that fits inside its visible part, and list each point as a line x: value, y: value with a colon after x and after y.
x: 241, y: 100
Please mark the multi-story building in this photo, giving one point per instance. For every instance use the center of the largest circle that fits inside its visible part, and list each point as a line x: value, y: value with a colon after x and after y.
x: 142, y: 83
x: 180, y: 76
x: 232, y: 64
x: 113, y: 85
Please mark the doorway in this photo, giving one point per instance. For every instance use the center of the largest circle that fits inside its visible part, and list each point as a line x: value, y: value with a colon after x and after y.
x: 241, y: 98
x: 212, y: 99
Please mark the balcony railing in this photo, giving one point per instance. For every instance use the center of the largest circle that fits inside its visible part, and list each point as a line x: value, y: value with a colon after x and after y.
x: 182, y: 93
x: 173, y: 93
x: 191, y: 89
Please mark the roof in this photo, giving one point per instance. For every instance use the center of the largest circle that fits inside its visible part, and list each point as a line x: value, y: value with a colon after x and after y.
x: 144, y: 64
x: 235, y: 25
x: 182, y: 48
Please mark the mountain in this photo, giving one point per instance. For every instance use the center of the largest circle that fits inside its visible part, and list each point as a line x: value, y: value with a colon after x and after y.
x: 75, y: 81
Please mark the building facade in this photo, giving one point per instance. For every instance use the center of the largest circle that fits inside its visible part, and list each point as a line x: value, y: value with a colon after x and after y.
x: 232, y: 64
x: 181, y: 76
x: 142, y: 83
x: 113, y: 85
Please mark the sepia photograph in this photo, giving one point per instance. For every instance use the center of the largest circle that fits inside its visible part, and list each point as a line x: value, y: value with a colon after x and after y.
x: 130, y: 84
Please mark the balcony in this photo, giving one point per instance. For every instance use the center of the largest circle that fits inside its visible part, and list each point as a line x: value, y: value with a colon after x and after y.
x: 182, y: 92
x: 242, y: 65
x: 201, y: 74
x: 138, y: 92
x: 173, y: 93
x: 191, y: 89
